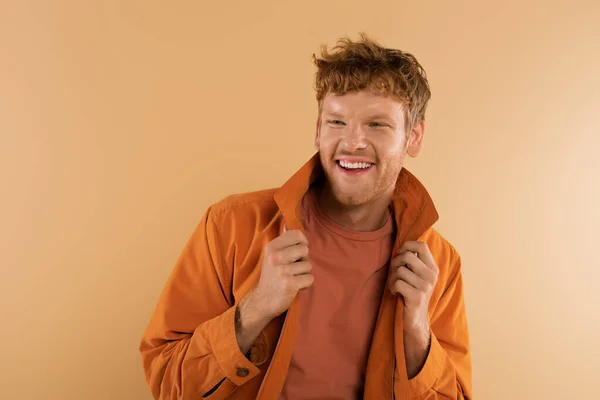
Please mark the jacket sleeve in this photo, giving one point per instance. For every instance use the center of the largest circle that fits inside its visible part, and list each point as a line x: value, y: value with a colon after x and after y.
x: 189, y: 348
x: 447, y: 370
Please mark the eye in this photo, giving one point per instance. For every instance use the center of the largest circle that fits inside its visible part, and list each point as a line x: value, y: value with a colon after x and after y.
x: 336, y: 122
x: 377, y: 125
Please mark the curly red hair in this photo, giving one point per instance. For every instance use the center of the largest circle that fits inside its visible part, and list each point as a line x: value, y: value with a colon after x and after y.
x: 366, y: 65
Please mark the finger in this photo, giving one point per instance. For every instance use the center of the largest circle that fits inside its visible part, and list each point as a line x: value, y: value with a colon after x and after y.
x: 422, y: 270
x: 289, y: 238
x: 411, y: 278
x: 399, y: 261
x: 292, y: 254
x: 284, y: 228
x: 404, y: 289
x: 415, y: 264
x: 299, y: 268
x: 303, y: 281
x: 422, y: 250
x: 406, y: 258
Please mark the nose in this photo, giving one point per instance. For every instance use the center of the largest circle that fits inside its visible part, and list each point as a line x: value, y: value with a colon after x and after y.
x: 354, y: 139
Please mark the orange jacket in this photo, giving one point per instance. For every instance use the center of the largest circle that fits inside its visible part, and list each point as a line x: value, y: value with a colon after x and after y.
x: 190, y: 345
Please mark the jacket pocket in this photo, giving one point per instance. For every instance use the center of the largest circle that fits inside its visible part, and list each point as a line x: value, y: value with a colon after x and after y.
x: 225, y: 389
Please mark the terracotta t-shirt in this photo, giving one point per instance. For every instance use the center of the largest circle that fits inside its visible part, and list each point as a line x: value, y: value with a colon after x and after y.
x: 338, y: 313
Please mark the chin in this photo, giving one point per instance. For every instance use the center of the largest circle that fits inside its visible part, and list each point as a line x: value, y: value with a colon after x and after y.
x: 350, y: 198
x: 346, y: 194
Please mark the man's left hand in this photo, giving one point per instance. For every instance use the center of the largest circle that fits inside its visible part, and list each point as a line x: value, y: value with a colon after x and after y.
x: 414, y: 276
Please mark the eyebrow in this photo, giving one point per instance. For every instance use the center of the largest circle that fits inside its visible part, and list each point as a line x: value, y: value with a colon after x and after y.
x: 332, y: 114
x: 382, y: 116
x: 375, y: 116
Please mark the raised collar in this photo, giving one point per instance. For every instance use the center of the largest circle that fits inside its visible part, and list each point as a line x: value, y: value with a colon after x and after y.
x: 414, y: 211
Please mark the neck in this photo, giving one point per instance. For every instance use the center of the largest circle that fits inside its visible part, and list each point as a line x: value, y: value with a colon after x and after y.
x: 366, y: 217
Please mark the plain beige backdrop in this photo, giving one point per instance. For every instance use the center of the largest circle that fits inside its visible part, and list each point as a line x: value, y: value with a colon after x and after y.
x: 121, y: 121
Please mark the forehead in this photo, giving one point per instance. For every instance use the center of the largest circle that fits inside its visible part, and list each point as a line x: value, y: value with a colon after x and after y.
x: 362, y: 103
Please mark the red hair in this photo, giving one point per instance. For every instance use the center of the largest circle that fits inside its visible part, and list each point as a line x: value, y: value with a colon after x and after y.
x: 366, y: 65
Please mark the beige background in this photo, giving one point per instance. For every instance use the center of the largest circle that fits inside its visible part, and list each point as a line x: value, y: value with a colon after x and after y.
x: 121, y: 121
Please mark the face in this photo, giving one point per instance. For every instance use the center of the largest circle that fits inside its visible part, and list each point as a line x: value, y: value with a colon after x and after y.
x: 362, y: 142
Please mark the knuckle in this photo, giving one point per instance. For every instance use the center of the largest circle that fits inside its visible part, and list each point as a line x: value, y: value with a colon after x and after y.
x: 303, y: 249
x: 431, y: 280
x: 401, y: 259
x: 298, y: 234
x: 274, y: 258
x: 402, y: 271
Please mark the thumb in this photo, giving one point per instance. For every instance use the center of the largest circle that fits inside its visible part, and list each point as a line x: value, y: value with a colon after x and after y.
x: 284, y: 228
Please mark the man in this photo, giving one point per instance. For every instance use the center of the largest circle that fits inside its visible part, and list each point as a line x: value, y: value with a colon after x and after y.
x: 334, y: 286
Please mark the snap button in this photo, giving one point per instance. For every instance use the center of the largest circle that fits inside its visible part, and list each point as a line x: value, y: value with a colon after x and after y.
x: 242, y: 372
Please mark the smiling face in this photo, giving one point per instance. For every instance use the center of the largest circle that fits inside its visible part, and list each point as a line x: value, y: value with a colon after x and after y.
x: 362, y: 143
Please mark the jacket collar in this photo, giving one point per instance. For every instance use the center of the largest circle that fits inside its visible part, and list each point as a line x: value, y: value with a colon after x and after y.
x: 414, y: 210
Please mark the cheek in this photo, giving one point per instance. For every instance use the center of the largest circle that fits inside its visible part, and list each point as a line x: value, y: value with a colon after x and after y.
x: 327, y: 142
x: 389, y: 152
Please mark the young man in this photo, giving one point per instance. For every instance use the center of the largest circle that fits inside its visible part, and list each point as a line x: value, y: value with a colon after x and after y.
x: 334, y: 286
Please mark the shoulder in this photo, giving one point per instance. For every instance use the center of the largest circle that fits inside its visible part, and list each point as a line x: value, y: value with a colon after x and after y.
x: 242, y: 223
x: 438, y: 244
x: 243, y: 205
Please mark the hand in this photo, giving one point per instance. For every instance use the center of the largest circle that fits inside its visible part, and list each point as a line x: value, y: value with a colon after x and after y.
x: 414, y: 276
x: 285, y: 271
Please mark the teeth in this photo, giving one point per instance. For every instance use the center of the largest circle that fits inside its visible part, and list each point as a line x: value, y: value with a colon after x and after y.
x: 350, y: 165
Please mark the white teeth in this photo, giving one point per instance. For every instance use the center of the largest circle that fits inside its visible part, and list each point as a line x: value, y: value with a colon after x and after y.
x: 350, y: 165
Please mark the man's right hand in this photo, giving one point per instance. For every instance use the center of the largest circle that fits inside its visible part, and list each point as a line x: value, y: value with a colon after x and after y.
x: 285, y: 271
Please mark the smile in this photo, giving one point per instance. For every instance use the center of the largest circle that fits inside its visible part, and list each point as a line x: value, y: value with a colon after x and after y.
x: 353, y: 168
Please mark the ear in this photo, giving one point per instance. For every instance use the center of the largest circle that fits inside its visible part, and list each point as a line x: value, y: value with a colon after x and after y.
x: 415, y: 139
x: 318, y: 133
